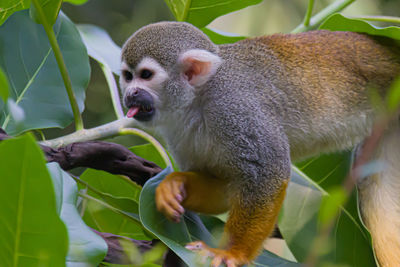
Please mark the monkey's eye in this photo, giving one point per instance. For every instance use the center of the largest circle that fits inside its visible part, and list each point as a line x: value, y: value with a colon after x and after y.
x: 127, y: 75
x: 146, y: 74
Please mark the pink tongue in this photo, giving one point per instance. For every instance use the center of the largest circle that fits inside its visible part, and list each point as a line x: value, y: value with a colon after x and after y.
x: 132, y: 112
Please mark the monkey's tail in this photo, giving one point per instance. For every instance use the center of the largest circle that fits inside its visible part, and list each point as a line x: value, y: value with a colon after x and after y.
x: 379, y: 196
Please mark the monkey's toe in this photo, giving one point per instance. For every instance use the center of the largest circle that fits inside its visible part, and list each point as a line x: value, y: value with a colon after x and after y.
x: 218, y: 256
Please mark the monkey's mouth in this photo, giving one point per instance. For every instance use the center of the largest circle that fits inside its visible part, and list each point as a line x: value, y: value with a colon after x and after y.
x: 140, y: 104
x: 141, y: 112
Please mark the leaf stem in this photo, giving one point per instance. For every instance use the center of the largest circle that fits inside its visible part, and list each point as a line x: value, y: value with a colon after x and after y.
x: 307, y: 17
x: 150, y: 139
x: 112, y: 86
x: 379, y: 18
x: 186, y: 10
x: 323, y: 14
x: 61, y: 65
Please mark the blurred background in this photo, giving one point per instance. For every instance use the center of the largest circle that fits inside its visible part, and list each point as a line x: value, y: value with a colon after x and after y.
x: 120, y: 18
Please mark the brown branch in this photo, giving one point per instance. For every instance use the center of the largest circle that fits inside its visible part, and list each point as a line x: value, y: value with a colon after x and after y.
x: 110, y: 157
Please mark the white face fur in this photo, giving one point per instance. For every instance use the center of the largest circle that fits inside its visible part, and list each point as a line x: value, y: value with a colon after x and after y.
x: 148, y: 75
x: 150, y: 81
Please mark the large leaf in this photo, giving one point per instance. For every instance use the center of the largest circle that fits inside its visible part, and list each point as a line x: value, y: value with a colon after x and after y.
x: 8, y: 7
x: 191, y: 228
x: 85, y: 247
x: 30, y: 66
x: 101, y: 47
x: 299, y: 226
x: 202, y: 12
x: 31, y: 232
x: 338, y: 22
x: 119, y: 192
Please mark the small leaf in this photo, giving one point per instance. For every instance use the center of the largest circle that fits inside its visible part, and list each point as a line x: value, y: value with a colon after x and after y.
x: 4, y: 87
x: 50, y: 8
x: 31, y: 232
x: 202, y: 12
x: 76, y: 2
x: 221, y: 37
x: 338, y: 22
x: 149, y: 152
x: 85, y: 247
x: 8, y: 7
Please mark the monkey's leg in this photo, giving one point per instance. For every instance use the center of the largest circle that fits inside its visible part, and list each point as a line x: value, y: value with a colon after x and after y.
x: 195, y: 191
x: 380, y: 201
x: 250, y: 222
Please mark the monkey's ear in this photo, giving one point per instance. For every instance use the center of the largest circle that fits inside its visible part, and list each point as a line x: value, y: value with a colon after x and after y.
x: 199, y: 65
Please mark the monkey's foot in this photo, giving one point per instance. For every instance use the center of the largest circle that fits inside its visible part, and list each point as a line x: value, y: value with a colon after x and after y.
x: 169, y: 196
x: 219, y: 256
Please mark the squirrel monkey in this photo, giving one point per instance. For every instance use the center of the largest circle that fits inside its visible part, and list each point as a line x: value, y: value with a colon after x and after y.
x: 234, y: 116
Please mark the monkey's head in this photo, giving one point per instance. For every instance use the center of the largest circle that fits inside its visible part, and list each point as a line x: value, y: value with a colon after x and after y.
x: 164, y: 67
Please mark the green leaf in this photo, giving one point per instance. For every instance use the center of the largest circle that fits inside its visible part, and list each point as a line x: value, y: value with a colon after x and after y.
x: 331, y: 205
x: 35, y: 80
x: 327, y: 170
x: 202, y: 12
x: 338, y: 22
x: 221, y: 37
x: 393, y: 96
x: 149, y: 152
x: 31, y: 232
x: 299, y: 225
x: 85, y: 247
x: 123, y: 195
x: 116, y: 190
x: 8, y: 7
x: 101, y: 47
x: 191, y: 228
x: 76, y: 2
x: 50, y: 8
x: 4, y: 87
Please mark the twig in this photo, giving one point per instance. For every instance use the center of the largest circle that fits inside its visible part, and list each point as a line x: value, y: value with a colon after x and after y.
x: 322, y: 15
x: 61, y: 65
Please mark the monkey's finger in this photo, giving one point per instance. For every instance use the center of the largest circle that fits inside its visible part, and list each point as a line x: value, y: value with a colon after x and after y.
x: 171, y: 199
x: 177, y: 188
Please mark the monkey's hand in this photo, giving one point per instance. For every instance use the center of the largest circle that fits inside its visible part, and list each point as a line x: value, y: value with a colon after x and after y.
x: 169, y: 196
x: 200, y: 192
x: 230, y: 258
